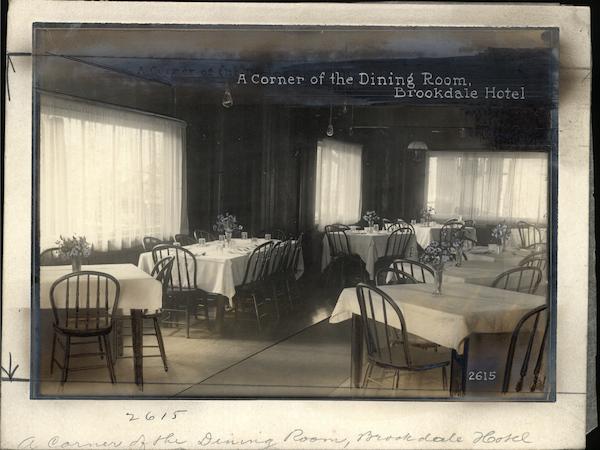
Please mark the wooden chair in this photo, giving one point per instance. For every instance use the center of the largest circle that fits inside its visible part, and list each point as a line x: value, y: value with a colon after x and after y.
x: 162, y: 273
x: 149, y: 242
x: 204, y: 234
x: 389, y: 275
x: 377, y: 312
x: 397, y: 245
x: 53, y: 257
x: 519, y: 279
x: 341, y: 253
x: 536, y: 318
x: 83, y: 305
x: 185, y: 239
x: 274, y: 277
x: 537, y: 259
x: 419, y: 271
x: 183, y: 294
x: 293, y: 260
x: 252, y: 290
x: 529, y: 234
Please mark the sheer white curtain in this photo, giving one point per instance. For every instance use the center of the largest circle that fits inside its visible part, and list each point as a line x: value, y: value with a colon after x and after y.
x: 109, y: 174
x: 489, y: 186
x: 339, y: 180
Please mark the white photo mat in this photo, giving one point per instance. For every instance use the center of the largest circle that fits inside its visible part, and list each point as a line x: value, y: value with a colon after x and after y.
x: 256, y: 424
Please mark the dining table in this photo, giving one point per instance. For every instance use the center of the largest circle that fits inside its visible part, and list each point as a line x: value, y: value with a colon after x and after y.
x: 220, y: 267
x: 463, y: 310
x: 369, y: 245
x: 139, y: 292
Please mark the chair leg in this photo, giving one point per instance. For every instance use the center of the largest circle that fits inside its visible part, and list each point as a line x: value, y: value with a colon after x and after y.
x: 161, y: 344
x: 256, y: 312
x: 396, y: 379
x: 53, y: 349
x: 365, y: 382
x: 100, y: 347
x: 444, y: 378
x: 65, y: 368
x: 109, y: 361
x: 275, y: 301
x: 187, y: 320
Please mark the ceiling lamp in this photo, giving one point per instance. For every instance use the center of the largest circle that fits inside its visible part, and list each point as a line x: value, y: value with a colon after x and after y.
x: 330, y: 126
x: 227, y: 99
x: 416, y: 150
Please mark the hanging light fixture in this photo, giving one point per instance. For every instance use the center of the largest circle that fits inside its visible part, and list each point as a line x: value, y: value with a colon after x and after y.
x: 330, y: 126
x: 417, y: 150
x: 227, y: 98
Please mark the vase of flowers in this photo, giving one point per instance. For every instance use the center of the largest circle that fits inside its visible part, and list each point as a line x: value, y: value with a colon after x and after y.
x: 370, y: 217
x: 436, y: 254
x: 226, y: 224
x: 427, y: 215
x: 75, y: 248
x: 501, y: 233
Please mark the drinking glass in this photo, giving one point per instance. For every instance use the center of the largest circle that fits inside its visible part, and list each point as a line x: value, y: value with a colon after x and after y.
x: 376, y: 228
x: 413, y: 221
x: 268, y: 236
x: 244, y: 235
x: 202, y: 242
x: 221, y: 239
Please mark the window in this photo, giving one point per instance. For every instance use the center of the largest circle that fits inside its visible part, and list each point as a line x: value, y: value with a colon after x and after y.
x: 109, y: 174
x: 339, y: 179
x: 488, y: 186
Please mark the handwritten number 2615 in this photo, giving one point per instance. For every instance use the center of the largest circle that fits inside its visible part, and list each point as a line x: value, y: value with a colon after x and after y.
x: 149, y: 416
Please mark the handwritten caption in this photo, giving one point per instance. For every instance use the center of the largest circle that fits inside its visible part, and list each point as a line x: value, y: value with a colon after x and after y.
x: 421, y: 85
x: 290, y: 439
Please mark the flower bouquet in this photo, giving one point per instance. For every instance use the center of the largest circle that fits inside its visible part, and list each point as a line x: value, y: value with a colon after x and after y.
x: 427, y: 214
x: 436, y: 254
x: 501, y: 233
x: 74, y: 248
x: 371, y: 217
x: 227, y: 224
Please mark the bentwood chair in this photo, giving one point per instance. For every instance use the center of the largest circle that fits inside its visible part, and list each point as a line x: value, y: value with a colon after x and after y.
x: 251, y: 293
x: 274, y: 277
x: 204, y: 234
x: 537, y: 259
x: 533, y: 329
x: 291, y: 269
x: 149, y: 242
x: 419, y: 271
x: 53, y: 257
x: 83, y: 306
x: 162, y: 273
x: 383, y: 321
x: 529, y: 234
x: 183, y: 294
x: 519, y: 279
x: 341, y: 253
x: 185, y: 239
x: 397, y: 246
x: 389, y: 275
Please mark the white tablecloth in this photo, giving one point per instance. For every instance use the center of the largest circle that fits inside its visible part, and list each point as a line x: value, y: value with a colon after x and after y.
x: 219, y: 270
x: 369, y: 246
x: 426, y: 234
x: 138, y: 289
x: 461, y: 310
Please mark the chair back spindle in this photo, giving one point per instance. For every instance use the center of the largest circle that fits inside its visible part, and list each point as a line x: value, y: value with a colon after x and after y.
x: 84, y: 301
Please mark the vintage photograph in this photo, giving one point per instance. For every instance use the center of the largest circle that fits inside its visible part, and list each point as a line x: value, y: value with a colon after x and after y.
x: 320, y: 212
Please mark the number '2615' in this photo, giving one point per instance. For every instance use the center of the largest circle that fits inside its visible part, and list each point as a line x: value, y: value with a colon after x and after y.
x: 482, y: 375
